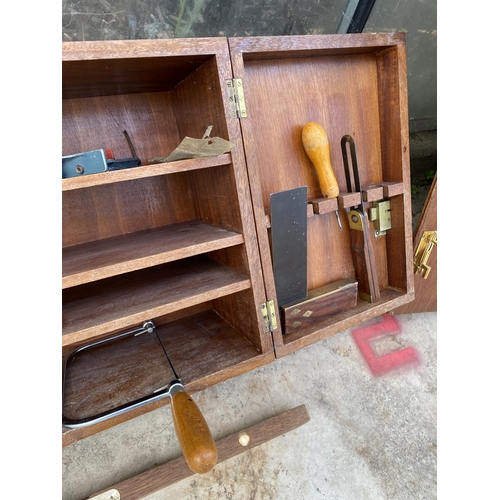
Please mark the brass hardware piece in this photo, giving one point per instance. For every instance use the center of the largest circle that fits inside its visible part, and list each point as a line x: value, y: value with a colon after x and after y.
x: 427, y: 242
x: 269, y: 316
x: 107, y: 495
x: 355, y: 220
x: 272, y: 314
x: 236, y: 98
x: 380, y: 214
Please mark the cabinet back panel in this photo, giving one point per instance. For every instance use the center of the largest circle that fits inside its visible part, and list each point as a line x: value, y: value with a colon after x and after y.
x: 97, y: 77
x: 285, y: 94
x: 105, y: 211
x: 240, y: 311
x: 98, y: 123
x: 198, y: 101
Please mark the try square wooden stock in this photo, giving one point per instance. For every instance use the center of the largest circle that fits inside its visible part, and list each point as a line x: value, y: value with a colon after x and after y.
x: 319, y: 304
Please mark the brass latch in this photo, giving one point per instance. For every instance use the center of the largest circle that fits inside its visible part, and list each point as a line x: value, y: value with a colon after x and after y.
x: 236, y: 98
x: 427, y: 242
x: 380, y: 214
x: 269, y: 316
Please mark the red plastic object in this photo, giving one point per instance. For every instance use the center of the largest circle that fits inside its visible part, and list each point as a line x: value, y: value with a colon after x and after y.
x: 382, y: 364
x: 109, y: 154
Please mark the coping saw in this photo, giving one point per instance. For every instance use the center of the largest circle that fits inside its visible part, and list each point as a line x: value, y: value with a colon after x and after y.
x: 191, y: 428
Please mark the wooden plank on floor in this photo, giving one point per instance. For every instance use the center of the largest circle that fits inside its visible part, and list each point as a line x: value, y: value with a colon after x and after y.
x: 175, y: 470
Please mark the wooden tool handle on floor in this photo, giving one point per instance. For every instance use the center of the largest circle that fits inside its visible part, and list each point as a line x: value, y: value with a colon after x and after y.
x: 194, y: 436
x: 317, y: 147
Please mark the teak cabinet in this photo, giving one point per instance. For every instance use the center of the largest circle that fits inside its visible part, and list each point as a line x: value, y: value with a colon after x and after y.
x: 187, y: 243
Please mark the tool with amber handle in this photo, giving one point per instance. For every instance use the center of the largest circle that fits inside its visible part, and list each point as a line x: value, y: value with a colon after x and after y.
x: 195, y: 439
x: 317, y: 147
x: 193, y: 433
x: 363, y: 255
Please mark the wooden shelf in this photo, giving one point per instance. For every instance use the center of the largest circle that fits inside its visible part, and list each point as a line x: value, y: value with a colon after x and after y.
x: 203, y: 348
x: 113, y: 256
x: 145, y: 171
x: 199, y: 346
x: 97, y: 309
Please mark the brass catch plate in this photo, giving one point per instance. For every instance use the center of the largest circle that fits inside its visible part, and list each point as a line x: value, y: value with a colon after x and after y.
x: 380, y: 214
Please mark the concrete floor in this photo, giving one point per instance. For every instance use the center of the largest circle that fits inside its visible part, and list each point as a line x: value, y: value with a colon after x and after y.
x: 370, y: 438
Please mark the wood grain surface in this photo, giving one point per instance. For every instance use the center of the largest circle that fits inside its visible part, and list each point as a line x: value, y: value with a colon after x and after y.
x: 203, y: 348
x: 160, y: 91
x: 144, y: 171
x: 348, y: 86
x: 319, y: 304
x: 425, y: 289
x: 164, y: 475
x: 111, y: 257
x: 109, y: 305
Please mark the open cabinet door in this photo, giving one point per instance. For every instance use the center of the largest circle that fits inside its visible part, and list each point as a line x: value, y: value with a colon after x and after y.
x: 425, y: 288
x: 356, y: 88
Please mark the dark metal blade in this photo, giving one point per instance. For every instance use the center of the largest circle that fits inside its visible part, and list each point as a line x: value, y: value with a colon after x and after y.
x: 289, y: 244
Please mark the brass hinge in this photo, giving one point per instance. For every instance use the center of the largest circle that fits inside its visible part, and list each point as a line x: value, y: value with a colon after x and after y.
x: 427, y: 242
x: 108, y: 495
x: 269, y: 316
x: 236, y: 98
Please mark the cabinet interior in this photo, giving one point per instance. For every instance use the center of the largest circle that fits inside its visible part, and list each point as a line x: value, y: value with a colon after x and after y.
x: 163, y: 241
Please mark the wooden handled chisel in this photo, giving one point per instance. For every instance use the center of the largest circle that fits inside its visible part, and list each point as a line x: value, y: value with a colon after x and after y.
x: 317, y: 148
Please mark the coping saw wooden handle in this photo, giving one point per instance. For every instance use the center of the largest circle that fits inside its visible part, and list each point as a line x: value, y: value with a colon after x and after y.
x: 194, y: 436
x: 316, y: 144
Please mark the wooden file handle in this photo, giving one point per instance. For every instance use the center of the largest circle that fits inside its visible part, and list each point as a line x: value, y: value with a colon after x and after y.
x: 194, y: 436
x: 316, y: 144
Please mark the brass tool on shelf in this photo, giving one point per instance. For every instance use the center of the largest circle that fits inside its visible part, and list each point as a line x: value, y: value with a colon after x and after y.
x: 363, y: 255
x: 317, y: 148
x: 195, y: 438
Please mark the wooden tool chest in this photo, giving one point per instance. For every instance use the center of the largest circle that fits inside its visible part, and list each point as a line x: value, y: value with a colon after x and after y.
x: 188, y: 243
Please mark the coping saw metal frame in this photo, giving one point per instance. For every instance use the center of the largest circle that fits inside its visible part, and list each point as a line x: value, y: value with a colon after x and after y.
x: 169, y: 390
